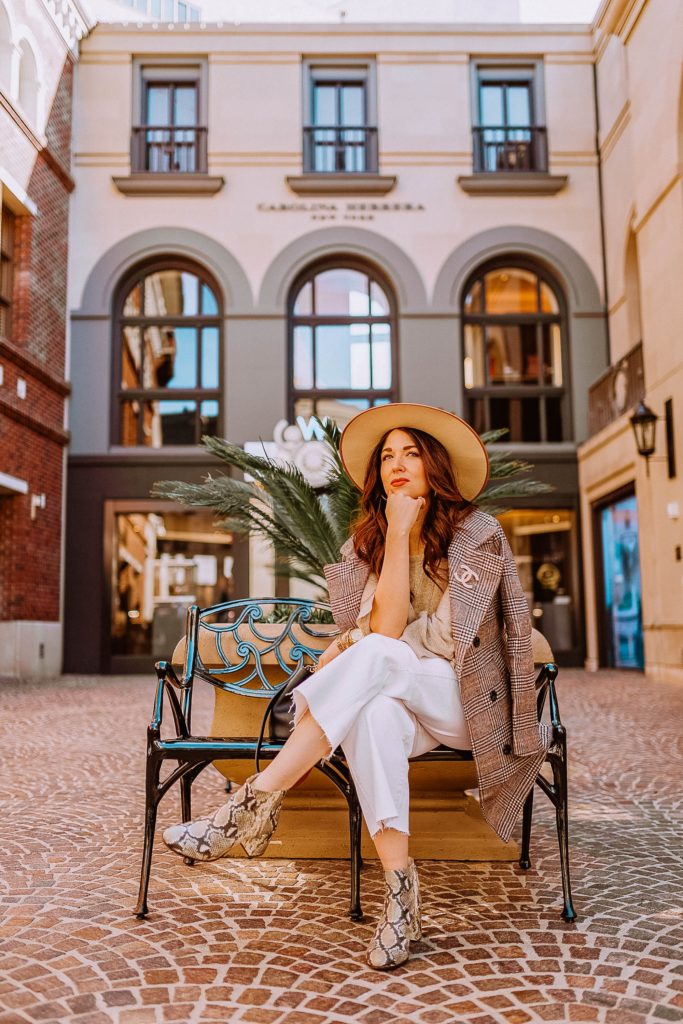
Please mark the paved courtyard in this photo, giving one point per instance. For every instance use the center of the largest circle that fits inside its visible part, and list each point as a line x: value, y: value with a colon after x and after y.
x: 269, y: 941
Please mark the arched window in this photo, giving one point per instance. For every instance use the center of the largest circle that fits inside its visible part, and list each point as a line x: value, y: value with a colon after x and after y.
x: 28, y: 82
x: 514, y: 371
x: 342, y: 342
x: 168, y: 357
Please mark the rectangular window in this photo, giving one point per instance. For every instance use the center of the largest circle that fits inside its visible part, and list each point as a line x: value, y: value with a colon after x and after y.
x: 170, y: 134
x: 509, y: 130
x: 7, y: 231
x: 340, y: 130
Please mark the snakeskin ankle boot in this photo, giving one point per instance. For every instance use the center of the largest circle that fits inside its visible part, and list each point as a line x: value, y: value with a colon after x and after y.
x: 400, y: 921
x: 249, y: 817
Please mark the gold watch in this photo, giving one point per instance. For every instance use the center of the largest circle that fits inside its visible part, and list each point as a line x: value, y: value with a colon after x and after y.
x: 350, y: 637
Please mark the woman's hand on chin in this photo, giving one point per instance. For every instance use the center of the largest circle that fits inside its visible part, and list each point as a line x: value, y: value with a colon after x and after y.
x: 402, y: 511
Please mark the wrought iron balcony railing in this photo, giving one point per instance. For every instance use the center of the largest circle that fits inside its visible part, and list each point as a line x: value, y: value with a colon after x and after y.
x: 617, y: 390
x: 509, y: 148
x: 164, y: 149
x: 335, y: 150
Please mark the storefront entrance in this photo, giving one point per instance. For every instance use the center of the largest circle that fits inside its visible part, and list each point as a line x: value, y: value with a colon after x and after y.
x: 619, y: 590
x: 160, y: 562
x: 544, y: 543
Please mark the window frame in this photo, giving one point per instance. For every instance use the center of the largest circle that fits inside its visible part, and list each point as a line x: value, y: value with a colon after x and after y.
x: 199, y: 394
x: 314, y: 394
x: 510, y: 71
x: 338, y: 71
x: 170, y: 71
x: 539, y: 391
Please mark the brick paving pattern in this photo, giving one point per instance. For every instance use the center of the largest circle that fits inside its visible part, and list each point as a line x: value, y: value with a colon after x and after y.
x: 269, y: 942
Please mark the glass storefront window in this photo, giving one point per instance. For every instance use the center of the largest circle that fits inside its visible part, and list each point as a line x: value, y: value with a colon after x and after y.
x: 161, y: 563
x: 622, y: 606
x: 543, y: 542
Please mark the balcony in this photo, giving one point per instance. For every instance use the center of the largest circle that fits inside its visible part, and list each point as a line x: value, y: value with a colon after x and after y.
x: 511, y: 160
x: 162, y: 149
x: 169, y: 160
x: 340, y: 160
x: 616, y: 391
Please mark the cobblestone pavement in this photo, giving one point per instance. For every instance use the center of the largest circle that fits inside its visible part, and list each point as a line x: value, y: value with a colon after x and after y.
x: 269, y: 941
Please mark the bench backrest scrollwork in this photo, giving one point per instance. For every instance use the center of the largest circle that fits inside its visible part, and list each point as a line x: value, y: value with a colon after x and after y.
x: 252, y: 646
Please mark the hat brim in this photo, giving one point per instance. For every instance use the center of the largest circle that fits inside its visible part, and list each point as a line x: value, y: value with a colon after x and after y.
x: 465, y: 448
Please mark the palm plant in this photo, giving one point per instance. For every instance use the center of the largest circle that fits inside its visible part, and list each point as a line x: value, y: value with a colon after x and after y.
x: 307, y: 526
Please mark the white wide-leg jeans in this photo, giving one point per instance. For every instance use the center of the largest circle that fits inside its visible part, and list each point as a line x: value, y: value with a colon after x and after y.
x: 382, y: 704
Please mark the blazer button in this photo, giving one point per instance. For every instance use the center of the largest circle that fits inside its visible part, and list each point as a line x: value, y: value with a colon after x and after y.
x: 507, y: 749
x: 476, y: 641
x: 493, y: 695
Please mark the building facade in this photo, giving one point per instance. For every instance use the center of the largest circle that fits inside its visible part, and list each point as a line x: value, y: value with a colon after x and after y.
x: 38, y: 44
x: 631, y: 506
x: 269, y: 224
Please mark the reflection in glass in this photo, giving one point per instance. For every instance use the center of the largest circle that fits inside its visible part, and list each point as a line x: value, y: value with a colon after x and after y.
x: 511, y: 291
x: 473, y: 299
x: 209, y: 301
x: 552, y: 355
x: 131, y: 357
x: 133, y: 304
x: 542, y: 542
x: 342, y: 292
x: 209, y: 417
x: 473, y: 368
x: 304, y: 300
x: 171, y: 293
x: 210, y: 357
x: 379, y: 302
x: 183, y: 360
x: 169, y: 422
x: 303, y: 357
x: 174, y: 357
x: 512, y: 339
x: 512, y: 354
x: 342, y: 355
x: 341, y: 335
x: 163, y: 562
x: 622, y: 617
x: 381, y: 356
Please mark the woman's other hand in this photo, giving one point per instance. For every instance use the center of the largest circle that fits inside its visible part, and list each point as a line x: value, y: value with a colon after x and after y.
x: 402, y: 512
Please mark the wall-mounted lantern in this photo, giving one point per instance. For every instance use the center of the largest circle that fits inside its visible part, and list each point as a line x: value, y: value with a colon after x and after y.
x: 644, y: 423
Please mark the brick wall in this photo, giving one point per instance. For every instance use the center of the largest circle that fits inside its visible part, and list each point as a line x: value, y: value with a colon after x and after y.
x: 32, y: 438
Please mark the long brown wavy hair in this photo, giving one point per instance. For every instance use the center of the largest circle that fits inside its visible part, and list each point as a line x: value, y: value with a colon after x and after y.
x: 446, y: 508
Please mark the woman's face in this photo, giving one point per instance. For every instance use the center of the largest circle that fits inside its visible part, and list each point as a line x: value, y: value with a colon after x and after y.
x: 401, y: 466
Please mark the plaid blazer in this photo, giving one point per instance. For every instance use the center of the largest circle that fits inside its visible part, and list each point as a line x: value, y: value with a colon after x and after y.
x: 493, y: 660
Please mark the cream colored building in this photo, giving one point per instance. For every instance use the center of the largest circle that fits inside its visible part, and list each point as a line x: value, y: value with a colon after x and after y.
x: 368, y: 212
x: 638, y: 54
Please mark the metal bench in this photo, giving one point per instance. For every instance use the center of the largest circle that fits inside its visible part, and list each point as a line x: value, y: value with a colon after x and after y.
x: 237, y: 647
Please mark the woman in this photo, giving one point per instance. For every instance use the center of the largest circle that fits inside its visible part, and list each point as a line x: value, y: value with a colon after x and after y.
x: 436, y: 649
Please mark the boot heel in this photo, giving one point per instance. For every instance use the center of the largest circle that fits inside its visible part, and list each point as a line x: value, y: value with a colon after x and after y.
x: 256, y: 846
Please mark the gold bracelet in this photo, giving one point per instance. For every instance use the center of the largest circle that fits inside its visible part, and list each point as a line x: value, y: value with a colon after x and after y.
x: 344, y: 641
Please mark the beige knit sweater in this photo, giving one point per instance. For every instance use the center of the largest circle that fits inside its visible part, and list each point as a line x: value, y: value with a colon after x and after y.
x: 428, y: 631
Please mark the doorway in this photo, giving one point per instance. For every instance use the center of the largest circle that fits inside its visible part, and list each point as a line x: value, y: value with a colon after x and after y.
x: 619, y: 594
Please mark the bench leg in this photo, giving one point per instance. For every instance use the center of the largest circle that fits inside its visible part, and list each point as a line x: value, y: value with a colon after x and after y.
x: 186, y: 799
x: 527, y: 814
x: 152, y: 772
x: 355, y: 822
x: 559, y: 766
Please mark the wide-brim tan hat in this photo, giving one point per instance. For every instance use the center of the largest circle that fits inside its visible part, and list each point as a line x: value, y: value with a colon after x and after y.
x: 467, y: 451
